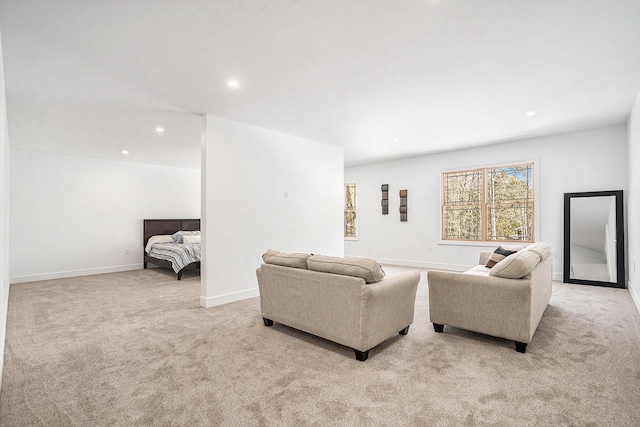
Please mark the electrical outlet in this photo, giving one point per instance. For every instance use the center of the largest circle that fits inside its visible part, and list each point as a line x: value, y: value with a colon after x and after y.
x: 429, y: 248
x: 126, y: 251
x: 554, y: 254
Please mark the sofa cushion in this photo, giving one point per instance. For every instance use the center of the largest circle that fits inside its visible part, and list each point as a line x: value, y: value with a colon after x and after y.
x: 367, y: 269
x: 478, y: 270
x: 294, y: 260
x: 541, y: 248
x: 499, y: 254
x: 516, y: 265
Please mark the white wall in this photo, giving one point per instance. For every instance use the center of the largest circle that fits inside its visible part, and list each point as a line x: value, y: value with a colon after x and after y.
x: 581, y: 161
x: 4, y: 214
x: 76, y: 215
x: 633, y: 202
x: 246, y: 173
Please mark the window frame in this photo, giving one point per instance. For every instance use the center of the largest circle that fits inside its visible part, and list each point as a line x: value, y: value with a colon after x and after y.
x: 483, y: 241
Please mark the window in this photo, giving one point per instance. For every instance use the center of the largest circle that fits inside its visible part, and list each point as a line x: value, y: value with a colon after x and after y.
x: 488, y: 204
x: 350, y: 224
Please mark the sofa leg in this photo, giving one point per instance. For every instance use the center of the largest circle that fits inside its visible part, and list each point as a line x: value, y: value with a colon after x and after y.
x: 438, y: 327
x: 361, y: 355
x: 267, y: 322
x: 405, y: 331
x: 521, y: 347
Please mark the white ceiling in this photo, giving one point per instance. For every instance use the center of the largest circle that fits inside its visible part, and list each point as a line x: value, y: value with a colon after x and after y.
x: 91, y: 77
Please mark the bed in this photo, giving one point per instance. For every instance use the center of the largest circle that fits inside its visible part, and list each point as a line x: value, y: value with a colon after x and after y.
x: 160, y: 252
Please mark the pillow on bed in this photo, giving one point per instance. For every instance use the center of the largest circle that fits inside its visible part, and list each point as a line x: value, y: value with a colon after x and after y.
x: 177, y: 236
x: 187, y: 238
x: 157, y: 239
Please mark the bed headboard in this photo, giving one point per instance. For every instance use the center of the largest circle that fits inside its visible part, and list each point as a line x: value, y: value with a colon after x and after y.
x: 154, y: 227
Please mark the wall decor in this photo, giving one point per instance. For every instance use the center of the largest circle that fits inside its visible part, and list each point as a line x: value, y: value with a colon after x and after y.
x: 385, y: 199
x: 403, y: 205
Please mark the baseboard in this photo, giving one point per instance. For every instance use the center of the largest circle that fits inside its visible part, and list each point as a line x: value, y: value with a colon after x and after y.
x: 634, y: 295
x: 208, y: 302
x: 73, y: 273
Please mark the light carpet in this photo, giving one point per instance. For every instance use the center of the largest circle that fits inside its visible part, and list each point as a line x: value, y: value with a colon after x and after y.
x: 135, y: 349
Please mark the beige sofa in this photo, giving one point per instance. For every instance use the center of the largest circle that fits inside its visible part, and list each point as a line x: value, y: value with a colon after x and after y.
x: 348, y: 301
x: 505, y: 301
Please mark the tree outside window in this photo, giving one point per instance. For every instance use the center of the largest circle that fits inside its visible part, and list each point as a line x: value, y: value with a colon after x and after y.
x: 350, y: 229
x: 488, y: 204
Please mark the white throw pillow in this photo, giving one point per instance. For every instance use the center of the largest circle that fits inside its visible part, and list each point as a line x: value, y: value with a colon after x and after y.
x: 186, y: 239
x: 516, y: 266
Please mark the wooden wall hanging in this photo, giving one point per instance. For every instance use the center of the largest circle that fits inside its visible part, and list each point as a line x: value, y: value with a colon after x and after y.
x: 403, y: 205
x: 385, y: 199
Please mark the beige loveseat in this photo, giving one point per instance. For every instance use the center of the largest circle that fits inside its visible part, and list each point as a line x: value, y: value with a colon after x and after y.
x: 506, y: 300
x: 348, y: 301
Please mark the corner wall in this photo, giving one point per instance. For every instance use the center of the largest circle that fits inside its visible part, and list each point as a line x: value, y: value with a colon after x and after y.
x: 74, y: 216
x: 4, y: 214
x: 263, y: 190
x: 633, y: 203
x: 581, y: 161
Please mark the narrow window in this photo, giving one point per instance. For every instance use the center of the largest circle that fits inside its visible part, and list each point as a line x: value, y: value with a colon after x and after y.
x: 350, y: 225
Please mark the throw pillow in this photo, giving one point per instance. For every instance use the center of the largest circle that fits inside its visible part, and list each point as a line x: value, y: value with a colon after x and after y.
x: 189, y: 239
x: 516, y: 266
x: 498, y: 255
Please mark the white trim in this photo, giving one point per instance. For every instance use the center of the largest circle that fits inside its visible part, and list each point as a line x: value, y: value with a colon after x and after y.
x: 491, y: 244
x: 73, y: 273
x: 634, y: 295
x: 558, y: 277
x: 208, y: 302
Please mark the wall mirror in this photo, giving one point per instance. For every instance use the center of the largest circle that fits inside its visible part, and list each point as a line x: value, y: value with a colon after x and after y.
x: 594, y: 239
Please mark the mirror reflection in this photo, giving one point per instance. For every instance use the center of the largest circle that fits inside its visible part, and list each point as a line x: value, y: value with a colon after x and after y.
x: 593, y: 239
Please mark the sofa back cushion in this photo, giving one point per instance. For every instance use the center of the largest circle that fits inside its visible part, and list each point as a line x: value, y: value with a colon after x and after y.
x: 367, y: 269
x: 541, y: 248
x: 516, y: 266
x: 294, y: 260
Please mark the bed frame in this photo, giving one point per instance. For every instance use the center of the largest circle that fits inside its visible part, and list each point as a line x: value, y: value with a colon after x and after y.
x: 153, y: 227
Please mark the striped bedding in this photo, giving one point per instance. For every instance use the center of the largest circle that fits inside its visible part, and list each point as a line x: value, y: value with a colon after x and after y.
x: 180, y: 254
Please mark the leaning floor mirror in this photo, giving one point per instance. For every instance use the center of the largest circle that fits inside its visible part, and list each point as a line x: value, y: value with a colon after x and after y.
x: 594, y: 239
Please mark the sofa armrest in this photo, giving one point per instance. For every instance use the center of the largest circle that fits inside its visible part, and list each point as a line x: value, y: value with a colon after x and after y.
x: 387, y: 307
x: 487, y: 304
x: 484, y: 257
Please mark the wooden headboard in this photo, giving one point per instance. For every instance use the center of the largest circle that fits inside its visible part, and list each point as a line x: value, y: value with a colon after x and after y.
x: 154, y: 227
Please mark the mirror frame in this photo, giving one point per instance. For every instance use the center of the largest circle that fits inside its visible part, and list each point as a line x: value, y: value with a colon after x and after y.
x: 620, y: 270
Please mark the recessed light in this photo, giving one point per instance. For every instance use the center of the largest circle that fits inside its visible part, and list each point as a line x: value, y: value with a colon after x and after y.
x: 125, y: 152
x: 234, y: 84
x: 530, y: 113
x: 395, y: 141
x: 160, y: 129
